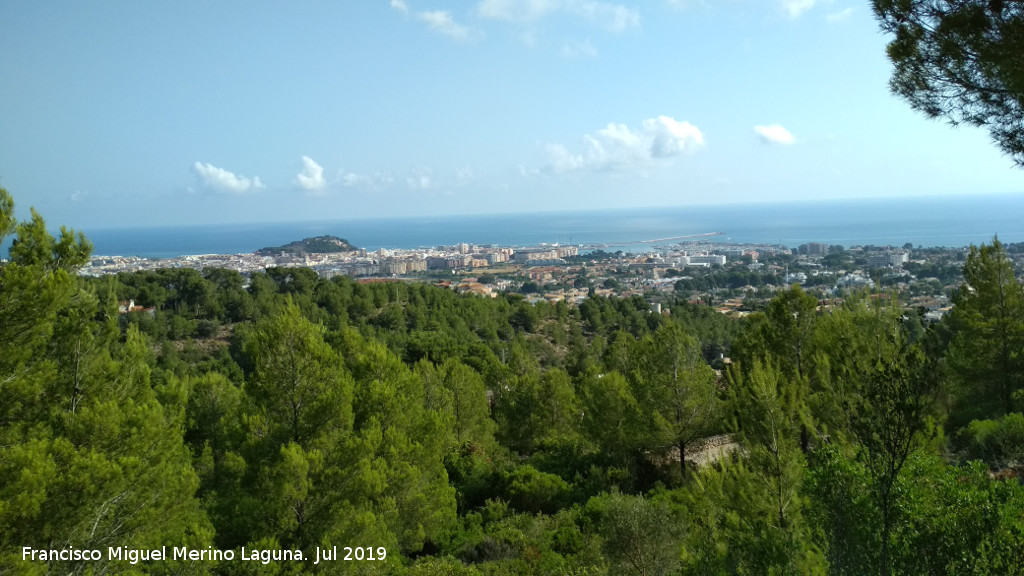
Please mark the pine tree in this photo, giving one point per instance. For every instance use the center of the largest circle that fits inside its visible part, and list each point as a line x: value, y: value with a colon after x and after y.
x: 987, y: 351
x: 768, y: 411
x: 91, y: 452
x: 676, y: 389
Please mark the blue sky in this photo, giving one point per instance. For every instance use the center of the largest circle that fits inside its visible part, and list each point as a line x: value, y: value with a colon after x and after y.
x: 135, y: 114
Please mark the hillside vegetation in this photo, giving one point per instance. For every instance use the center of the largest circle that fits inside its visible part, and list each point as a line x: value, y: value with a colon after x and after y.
x: 469, y: 436
x: 316, y: 245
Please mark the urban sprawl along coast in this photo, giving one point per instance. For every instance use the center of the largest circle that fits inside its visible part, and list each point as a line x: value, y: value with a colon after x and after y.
x: 732, y: 277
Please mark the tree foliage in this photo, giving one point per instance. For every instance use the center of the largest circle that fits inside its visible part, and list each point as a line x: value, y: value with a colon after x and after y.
x: 91, y: 450
x: 960, y: 60
x: 677, y: 389
x: 987, y: 351
x: 497, y: 436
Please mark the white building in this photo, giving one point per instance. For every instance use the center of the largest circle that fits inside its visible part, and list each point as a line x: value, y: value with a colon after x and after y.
x: 893, y: 259
x: 707, y: 259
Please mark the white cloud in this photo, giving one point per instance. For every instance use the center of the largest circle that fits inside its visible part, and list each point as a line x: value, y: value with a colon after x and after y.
x: 442, y: 22
x: 220, y: 180
x: 561, y: 160
x: 420, y: 179
x: 575, y: 49
x: 840, y: 16
x: 400, y: 5
x: 671, y: 137
x: 797, y: 7
x: 774, y: 134
x: 516, y: 10
x: 617, y: 147
x: 351, y: 179
x: 312, y: 176
x: 613, y: 17
x: 370, y: 181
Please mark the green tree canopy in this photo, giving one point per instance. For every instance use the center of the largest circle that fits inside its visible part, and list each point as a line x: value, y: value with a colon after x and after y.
x: 677, y: 389
x: 961, y: 60
x: 988, y: 326
x: 91, y: 450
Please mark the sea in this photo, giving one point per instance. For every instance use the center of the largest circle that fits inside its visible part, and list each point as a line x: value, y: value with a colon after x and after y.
x: 946, y: 221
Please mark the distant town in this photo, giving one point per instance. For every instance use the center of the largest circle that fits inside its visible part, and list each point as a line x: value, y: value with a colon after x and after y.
x: 734, y: 278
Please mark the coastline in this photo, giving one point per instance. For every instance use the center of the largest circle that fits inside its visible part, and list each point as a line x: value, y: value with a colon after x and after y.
x: 949, y: 222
